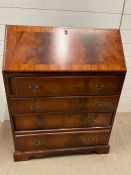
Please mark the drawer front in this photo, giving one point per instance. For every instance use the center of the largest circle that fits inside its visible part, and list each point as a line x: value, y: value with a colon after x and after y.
x: 61, y: 140
x: 61, y: 121
x: 60, y: 86
x: 63, y: 104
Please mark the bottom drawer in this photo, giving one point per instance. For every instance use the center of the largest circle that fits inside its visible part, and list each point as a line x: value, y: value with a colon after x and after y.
x: 61, y: 121
x: 61, y: 140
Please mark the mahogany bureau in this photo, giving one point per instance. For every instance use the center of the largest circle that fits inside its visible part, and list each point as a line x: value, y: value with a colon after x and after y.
x: 63, y: 86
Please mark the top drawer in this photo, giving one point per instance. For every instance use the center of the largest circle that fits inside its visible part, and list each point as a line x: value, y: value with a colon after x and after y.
x: 65, y: 85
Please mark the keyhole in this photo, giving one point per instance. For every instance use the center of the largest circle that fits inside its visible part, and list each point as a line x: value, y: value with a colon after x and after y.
x: 66, y: 32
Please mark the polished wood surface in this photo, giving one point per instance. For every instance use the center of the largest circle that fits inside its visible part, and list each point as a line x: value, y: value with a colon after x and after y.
x: 26, y: 155
x: 62, y: 87
x: 61, y: 140
x: 73, y: 85
x: 64, y: 104
x: 59, y: 49
x: 60, y: 121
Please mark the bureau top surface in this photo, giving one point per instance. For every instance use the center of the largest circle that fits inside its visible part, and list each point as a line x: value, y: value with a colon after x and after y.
x: 62, y: 49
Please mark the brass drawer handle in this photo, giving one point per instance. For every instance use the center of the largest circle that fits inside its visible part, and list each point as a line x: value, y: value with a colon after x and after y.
x: 33, y: 87
x: 36, y: 123
x: 96, y: 104
x: 35, y: 107
x: 99, y: 85
x: 36, y: 142
x: 91, y: 139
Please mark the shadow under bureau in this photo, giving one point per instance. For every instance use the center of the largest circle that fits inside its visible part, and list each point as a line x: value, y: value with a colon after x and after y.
x: 63, y: 86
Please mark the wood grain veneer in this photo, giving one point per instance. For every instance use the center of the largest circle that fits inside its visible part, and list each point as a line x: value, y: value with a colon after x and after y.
x: 61, y: 49
x: 63, y: 86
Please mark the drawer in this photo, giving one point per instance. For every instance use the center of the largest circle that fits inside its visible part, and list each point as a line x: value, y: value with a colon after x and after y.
x: 61, y: 86
x: 61, y: 121
x: 64, y: 104
x: 61, y: 140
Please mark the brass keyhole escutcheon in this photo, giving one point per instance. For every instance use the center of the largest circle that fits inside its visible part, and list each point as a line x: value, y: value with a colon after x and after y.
x: 66, y: 32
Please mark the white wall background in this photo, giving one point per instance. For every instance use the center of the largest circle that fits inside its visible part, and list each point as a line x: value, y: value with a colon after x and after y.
x: 70, y: 13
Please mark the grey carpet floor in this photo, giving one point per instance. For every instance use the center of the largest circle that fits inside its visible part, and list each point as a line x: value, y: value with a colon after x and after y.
x: 117, y: 162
